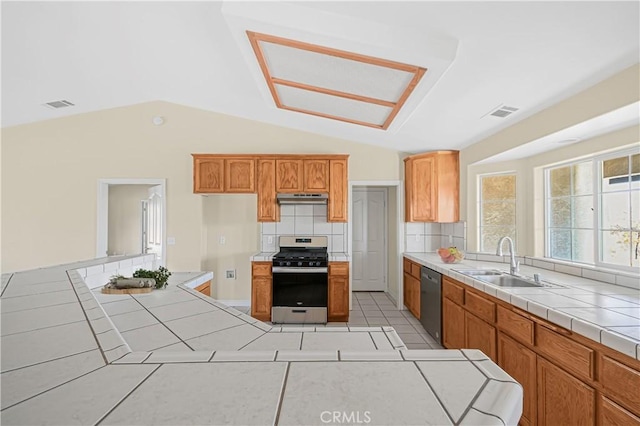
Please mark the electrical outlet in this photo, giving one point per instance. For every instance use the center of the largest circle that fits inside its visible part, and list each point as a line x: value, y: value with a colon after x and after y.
x: 269, y: 240
x: 450, y: 239
x: 171, y: 241
x: 231, y: 274
x: 223, y: 240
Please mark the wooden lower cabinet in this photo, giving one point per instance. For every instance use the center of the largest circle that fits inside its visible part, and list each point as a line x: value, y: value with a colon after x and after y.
x: 261, y: 290
x: 611, y: 414
x: 204, y: 288
x: 338, y: 297
x: 412, y: 289
x: 563, y: 399
x: 480, y: 335
x: 520, y: 363
x: 452, y: 325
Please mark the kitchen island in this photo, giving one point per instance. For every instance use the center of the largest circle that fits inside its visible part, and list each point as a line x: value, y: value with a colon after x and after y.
x: 71, y: 355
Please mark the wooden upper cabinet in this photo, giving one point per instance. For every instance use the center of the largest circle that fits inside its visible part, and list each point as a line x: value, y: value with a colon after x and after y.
x: 338, y: 178
x: 240, y: 175
x: 289, y: 175
x: 432, y: 187
x: 268, y: 208
x: 208, y: 175
x: 214, y: 173
x: 316, y: 176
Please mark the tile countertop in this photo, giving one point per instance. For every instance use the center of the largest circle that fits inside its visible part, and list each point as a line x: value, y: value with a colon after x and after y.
x: 606, y: 313
x: 72, y: 355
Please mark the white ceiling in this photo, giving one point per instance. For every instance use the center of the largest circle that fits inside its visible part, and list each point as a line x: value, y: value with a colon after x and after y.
x: 479, y: 56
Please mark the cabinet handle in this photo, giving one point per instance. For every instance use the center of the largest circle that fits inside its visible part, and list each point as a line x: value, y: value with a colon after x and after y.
x: 544, y: 324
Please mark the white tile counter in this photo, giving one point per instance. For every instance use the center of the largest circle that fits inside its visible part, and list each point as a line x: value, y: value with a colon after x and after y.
x: 72, y: 355
x: 606, y: 313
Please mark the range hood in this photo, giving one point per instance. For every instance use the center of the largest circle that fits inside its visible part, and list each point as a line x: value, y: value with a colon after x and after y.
x: 302, y: 198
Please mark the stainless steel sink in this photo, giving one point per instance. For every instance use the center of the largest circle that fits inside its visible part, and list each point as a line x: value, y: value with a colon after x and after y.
x: 503, y: 279
x: 479, y: 272
x: 509, y: 281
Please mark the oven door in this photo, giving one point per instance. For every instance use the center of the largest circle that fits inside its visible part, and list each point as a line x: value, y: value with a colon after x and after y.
x: 300, y: 287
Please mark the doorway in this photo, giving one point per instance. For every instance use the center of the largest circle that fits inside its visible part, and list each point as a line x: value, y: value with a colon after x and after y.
x: 369, y: 239
x: 131, y: 217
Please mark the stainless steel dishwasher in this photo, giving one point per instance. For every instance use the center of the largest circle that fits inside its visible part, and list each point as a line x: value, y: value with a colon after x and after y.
x: 430, y: 302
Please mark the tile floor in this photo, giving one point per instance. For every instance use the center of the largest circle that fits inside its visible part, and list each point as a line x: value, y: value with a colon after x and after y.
x: 379, y: 309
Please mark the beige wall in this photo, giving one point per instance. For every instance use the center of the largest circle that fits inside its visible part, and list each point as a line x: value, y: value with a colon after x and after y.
x: 618, y: 91
x: 233, y: 217
x: 125, y: 218
x: 50, y: 171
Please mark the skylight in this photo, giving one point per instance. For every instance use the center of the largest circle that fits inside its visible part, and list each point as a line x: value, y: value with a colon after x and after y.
x: 334, y: 84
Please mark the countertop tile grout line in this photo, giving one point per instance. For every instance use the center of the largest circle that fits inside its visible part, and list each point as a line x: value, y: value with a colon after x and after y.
x: 6, y: 286
x: 48, y: 360
x: 253, y: 340
x: 117, y: 404
x: 276, y: 420
x: 34, y: 294
x: 213, y: 332
x: 374, y: 342
x: 93, y: 332
x: 43, y: 328
x: 37, y: 307
x: 415, y: 364
x: 162, y: 323
x: 473, y: 400
x: 489, y: 414
x: 54, y: 387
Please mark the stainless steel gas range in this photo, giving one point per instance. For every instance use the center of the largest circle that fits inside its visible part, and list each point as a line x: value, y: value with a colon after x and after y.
x: 300, y: 281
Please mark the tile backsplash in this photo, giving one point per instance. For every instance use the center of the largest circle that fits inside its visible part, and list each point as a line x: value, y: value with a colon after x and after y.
x: 303, y: 219
x: 428, y: 237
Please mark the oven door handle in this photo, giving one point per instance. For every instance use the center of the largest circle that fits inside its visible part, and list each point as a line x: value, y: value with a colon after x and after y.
x: 288, y: 270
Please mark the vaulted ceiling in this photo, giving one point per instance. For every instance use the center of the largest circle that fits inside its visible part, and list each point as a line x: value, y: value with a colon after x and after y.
x: 479, y: 57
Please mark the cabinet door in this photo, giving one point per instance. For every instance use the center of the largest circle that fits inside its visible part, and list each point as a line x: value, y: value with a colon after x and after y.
x: 204, y: 288
x: 612, y: 414
x: 289, y: 175
x: 421, y: 189
x: 337, y: 206
x: 520, y: 363
x: 563, y: 399
x: 208, y: 175
x: 338, y: 303
x: 452, y: 325
x: 480, y: 335
x: 261, y: 298
x: 268, y: 208
x: 240, y: 175
x: 316, y: 176
x: 412, y: 295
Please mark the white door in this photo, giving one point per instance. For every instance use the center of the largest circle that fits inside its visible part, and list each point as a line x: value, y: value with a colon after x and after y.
x: 369, y: 224
x: 152, y: 223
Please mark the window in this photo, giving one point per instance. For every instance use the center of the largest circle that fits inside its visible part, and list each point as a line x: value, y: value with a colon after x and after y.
x: 593, y: 211
x: 497, y: 210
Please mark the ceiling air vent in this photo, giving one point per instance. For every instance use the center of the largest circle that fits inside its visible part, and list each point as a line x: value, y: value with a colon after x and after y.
x: 58, y: 104
x: 503, y: 111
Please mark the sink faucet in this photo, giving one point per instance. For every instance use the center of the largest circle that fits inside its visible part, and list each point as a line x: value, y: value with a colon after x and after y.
x: 514, y: 267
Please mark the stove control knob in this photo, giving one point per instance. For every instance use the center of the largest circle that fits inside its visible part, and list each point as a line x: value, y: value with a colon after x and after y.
x: 288, y: 263
x: 299, y: 263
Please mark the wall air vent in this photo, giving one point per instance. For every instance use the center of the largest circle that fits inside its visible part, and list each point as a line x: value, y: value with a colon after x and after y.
x: 503, y: 111
x: 58, y: 104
